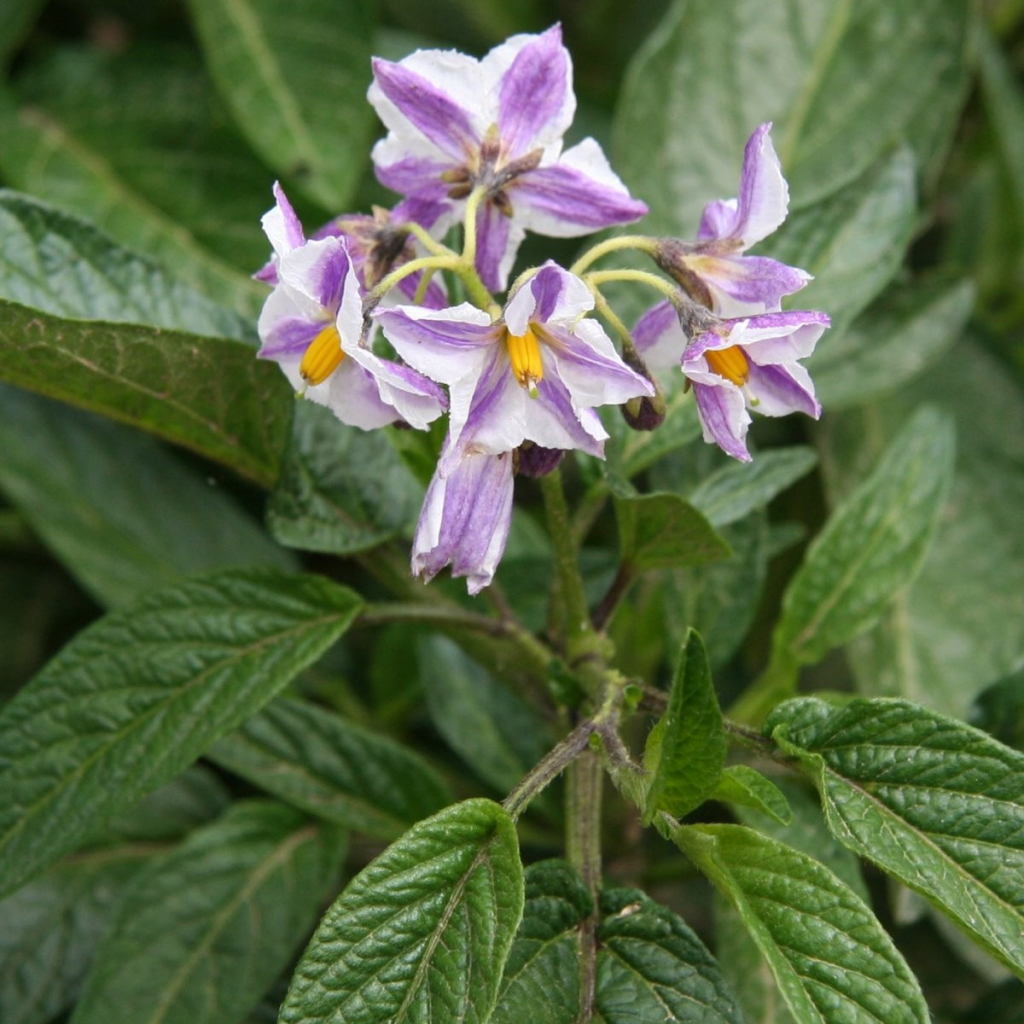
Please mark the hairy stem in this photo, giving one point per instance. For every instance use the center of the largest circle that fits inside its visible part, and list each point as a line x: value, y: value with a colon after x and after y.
x: 641, y: 242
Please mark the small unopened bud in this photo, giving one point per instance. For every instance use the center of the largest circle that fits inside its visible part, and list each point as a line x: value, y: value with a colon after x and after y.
x: 534, y: 461
x: 643, y: 413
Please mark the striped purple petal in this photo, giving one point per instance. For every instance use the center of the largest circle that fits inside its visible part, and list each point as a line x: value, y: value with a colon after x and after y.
x: 723, y: 417
x: 497, y: 240
x: 780, y: 390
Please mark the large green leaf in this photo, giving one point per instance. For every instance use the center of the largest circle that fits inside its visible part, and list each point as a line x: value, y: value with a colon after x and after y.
x: 872, y: 546
x: 842, y: 80
x: 685, y: 751
x: 935, y: 803
x: 137, y: 142
x: 295, y: 77
x: 254, y: 881
x: 832, y: 960
x: 891, y: 342
x: 50, y: 928
x: 663, y: 531
x: 341, y: 489
x: 957, y: 628
x: 316, y: 760
x: 208, y: 394
x: 120, y: 533
x: 134, y: 699
x: 65, y: 266
x: 422, y: 933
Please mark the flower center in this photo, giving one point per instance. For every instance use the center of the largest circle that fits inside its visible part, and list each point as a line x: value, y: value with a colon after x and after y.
x: 729, y: 363
x: 323, y: 356
x: 524, y: 353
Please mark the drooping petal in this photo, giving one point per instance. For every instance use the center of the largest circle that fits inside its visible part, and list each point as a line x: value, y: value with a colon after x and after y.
x: 536, y: 102
x: 417, y: 400
x: 763, y: 197
x: 497, y: 241
x: 780, y: 337
x: 317, y: 270
x: 465, y: 519
x: 745, y: 285
x: 397, y: 89
x: 658, y: 337
x: 780, y: 390
x: 575, y: 196
x: 723, y: 417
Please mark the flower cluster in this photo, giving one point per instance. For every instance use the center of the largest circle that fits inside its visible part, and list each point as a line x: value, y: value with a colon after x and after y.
x: 479, y: 143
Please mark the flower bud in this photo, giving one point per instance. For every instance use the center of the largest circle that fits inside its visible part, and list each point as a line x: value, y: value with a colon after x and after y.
x: 534, y: 461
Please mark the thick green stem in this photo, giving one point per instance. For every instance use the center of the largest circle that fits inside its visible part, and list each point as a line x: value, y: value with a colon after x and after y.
x: 569, y: 582
x: 549, y: 768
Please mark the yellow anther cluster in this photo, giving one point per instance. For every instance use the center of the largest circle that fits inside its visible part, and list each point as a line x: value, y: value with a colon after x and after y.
x: 323, y: 356
x: 729, y: 363
x: 524, y: 353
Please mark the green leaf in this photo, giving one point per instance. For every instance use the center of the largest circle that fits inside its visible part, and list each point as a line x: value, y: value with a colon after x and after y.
x: 652, y: 967
x: 744, y: 786
x: 738, y: 489
x: 871, y: 547
x: 933, y: 802
x: 314, y: 759
x: 119, y: 533
x: 892, y: 341
x: 829, y: 955
x: 662, y: 531
x: 65, y: 266
x: 954, y: 630
x: 422, y: 933
x: 852, y: 242
x: 136, y: 697
x: 341, y: 489
x: 541, y: 982
x: 296, y: 78
x: 50, y: 928
x: 208, y: 394
x: 136, y: 142
x: 686, y: 749
x: 497, y: 735
x: 254, y: 881
x: 841, y: 81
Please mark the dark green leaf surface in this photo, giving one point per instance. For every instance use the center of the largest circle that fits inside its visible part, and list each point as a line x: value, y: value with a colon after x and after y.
x: 254, y: 881
x: 662, y: 531
x: 422, y: 933
x: 65, y: 266
x: 1004, y: 104
x: 744, y: 786
x: 136, y: 142
x: 119, y: 533
x: 935, y: 803
x: 686, y: 749
x: 295, y: 77
x: 829, y: 955
x: 209, y: 394
x: 314, y: 759
x: 49, y: 931
x: 497, y: 735
x: 891, y: 342
x: 842, y: 81
x: 16, y: 17
x: 738, y: 489
x: 134, y: 699
x: 541, y: 982
x: 341, y: 489
x: 652, y: 967
x: 872, y: 546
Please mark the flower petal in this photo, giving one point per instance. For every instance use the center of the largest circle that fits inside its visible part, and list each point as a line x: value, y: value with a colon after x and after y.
x: 575, y: 196
x: 552, y: 295
x: 465, y: 519
x: 763, y: 200
x: 723, y: 417
x: 497, y: 242
x: 780, y: 390
x: 744, y: 285
x: 281, y: 225
x: 411, y: 168
x: 399, y: 90
x: 288, y: 322
x: 415, y: 399
x: 780, y: 337
x: 658, y: 336
x: 536, y: 102
x: 318, y: 270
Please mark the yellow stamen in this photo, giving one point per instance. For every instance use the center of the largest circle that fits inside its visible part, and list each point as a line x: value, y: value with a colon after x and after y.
x: 524, y: 353
x: 323, y: 356
x: 729, y: 363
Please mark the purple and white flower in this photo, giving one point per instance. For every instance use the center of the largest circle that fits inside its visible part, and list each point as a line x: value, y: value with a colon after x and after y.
x: 535, y: 375
x: 714, y: 270
x: 735, y: 364
x: 456, y: 124
x: 312, y: 325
